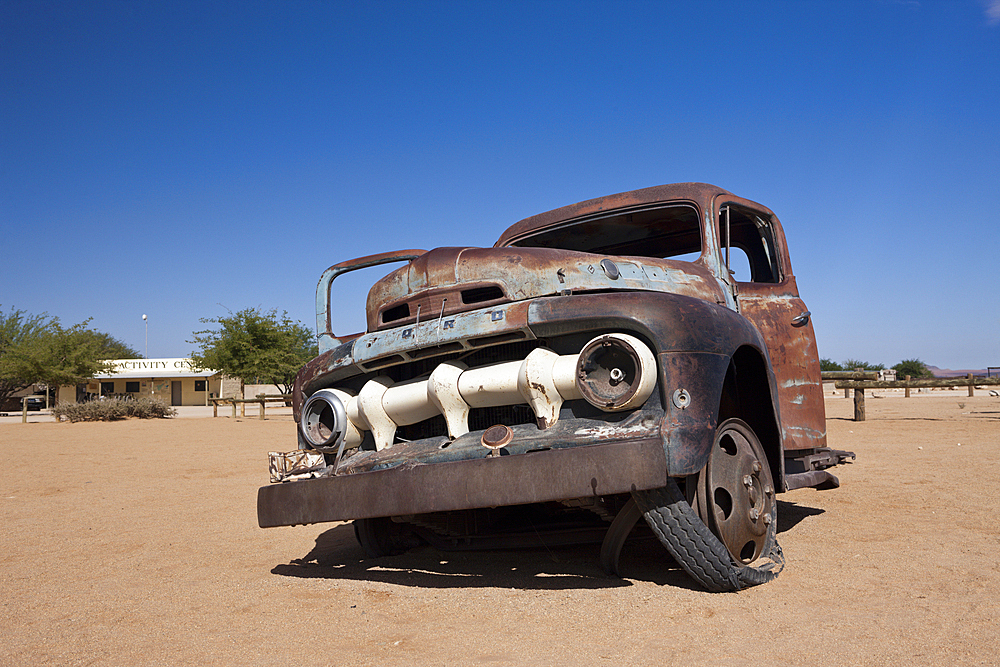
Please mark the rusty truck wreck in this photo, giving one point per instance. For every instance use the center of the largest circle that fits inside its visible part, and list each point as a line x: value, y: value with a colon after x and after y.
x: 601, y: 363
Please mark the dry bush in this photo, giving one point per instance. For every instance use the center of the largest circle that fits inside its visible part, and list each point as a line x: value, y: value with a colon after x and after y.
x: 113, y: 409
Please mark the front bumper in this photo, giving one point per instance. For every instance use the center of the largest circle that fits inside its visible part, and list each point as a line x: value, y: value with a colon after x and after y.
x: 536, y: 476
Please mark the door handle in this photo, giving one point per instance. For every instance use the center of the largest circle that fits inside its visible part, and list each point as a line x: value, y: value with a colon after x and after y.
x: 802, y: 319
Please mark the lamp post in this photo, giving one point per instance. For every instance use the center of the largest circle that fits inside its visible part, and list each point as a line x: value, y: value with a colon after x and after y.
x: 146, y: 322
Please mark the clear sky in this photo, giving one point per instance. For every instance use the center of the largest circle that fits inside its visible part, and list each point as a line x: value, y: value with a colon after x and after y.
x: 180, y: 159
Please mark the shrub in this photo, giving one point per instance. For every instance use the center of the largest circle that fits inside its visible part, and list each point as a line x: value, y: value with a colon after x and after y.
x: 150, y: 408
x: 829, y: 365
x: 852, y: 364
x: 114, y: 409
x: 912, y: 367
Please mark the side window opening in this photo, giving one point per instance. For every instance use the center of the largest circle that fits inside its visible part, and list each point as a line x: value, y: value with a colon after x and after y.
x: 739, y: 264
x: 752, y: 252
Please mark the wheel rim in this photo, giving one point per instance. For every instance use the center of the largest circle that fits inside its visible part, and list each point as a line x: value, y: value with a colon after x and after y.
x: 736, y: 493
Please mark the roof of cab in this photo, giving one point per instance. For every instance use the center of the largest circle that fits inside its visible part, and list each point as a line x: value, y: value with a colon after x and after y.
x: 698, y: 192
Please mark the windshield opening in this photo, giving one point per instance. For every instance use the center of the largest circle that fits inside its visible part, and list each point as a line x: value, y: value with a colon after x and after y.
x: 664, y: 232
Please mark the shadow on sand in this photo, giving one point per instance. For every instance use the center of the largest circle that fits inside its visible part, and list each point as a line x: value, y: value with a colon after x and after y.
x: 337, y: 555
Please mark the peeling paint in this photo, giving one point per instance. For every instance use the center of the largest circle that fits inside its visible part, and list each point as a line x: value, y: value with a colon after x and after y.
x: 809, y: 432
x: 604, y: 432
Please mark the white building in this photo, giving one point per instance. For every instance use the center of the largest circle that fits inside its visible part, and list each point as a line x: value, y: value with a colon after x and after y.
x: 174, y: 381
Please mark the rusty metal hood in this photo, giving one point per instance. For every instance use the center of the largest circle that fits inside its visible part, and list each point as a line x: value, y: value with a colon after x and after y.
x: 445, y: 281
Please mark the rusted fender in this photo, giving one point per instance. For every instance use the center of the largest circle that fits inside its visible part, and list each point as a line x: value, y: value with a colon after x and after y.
x: 694, y: 341
x: 341, y: 355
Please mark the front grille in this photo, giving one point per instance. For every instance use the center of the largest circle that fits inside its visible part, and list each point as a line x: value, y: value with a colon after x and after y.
x: 499, y: 353
x: 430, y: 428
x: 479, y: 418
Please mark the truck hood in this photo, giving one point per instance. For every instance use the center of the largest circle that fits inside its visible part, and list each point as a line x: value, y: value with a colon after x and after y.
x: 445, y: 281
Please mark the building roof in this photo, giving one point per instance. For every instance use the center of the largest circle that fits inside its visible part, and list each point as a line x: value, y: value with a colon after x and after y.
x: 154, y: 368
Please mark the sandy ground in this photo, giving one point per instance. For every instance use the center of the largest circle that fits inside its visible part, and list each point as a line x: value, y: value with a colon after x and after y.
x: 137, y: 543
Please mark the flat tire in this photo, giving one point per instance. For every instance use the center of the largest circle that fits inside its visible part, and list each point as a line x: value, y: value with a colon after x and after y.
x: 740, y: 550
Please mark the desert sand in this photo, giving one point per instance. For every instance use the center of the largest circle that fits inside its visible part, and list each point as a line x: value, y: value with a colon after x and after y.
x: 137, y: 543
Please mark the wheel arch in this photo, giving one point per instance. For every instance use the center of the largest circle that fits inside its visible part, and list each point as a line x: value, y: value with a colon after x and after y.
x: 748, y: 393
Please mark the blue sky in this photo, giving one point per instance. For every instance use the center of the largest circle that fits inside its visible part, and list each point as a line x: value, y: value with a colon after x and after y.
x: 181, y: 159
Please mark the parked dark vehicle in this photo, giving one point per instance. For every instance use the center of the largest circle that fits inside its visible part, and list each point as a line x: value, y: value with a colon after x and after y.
x: 599, y: 364
x: 35, y: 403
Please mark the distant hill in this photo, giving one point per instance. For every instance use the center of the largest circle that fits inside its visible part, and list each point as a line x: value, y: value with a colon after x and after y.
x: 948, y: 373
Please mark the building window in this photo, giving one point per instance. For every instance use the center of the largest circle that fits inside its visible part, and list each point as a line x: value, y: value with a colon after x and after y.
x: 199, y: 385
x: 132, y: 387
x: 107, y: 388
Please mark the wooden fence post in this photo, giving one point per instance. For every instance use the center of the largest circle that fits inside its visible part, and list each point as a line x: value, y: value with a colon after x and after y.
x: 261, y: 397
x: 906, y: 393
x: 859, y: 405
x: 24, y: 411
x: 857, y: 370
x: 972, y: 384
x: 234, y: 408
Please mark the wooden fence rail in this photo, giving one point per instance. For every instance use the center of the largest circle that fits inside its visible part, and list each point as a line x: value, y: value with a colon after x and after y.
x: 260, y: 399
x: 849, y: 375
x: 859, y: 387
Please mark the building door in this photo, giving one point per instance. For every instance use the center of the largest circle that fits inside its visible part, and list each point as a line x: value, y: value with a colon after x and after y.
x: 175, y: 392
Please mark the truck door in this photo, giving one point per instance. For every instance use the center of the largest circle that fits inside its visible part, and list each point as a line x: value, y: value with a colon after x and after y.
x: 753, y: 247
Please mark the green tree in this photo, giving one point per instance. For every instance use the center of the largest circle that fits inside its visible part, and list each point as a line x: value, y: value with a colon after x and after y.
x: 68, y: 356
x: 110, y: 347
x: 851, y: 364
x: 38, y: 349
x: 912, y: 367
x: 829, y: 365
x: 256, y: 347
x: 18, y: 331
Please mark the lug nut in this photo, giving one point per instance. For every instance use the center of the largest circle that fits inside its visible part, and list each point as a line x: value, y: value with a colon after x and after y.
x: 747, y: 481
x: 756, y: 466
x: 767, y: 519
x: 754, y: 514
x: 768, y: 490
